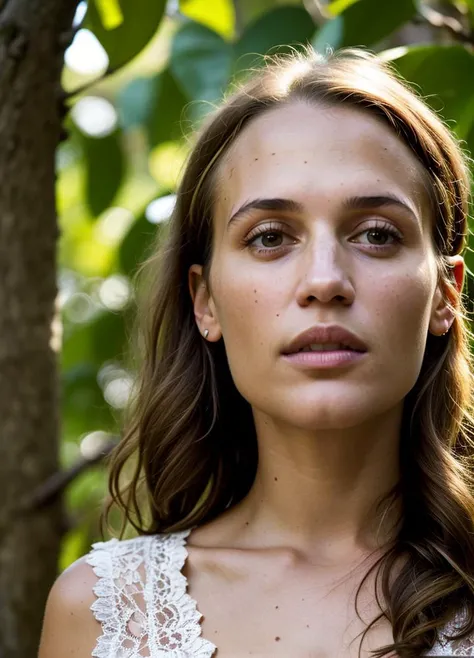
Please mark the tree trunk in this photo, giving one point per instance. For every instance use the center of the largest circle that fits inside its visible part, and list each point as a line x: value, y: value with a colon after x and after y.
x: 33, y: 36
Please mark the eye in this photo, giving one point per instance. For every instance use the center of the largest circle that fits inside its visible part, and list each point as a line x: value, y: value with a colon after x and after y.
x: 382, y: 231
x: 271, y: 235
x: 385, y: 236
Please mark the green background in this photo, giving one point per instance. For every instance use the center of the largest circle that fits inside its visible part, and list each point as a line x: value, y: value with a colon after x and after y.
x: 167, y: 67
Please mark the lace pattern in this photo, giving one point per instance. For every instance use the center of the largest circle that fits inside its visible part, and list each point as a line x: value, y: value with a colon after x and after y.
x: 142, y: 601
x: 145, y: 611
x: 446, y: 648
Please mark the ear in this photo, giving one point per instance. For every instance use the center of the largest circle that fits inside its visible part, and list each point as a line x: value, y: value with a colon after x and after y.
x: 441, y: 316
x: 205, y: 311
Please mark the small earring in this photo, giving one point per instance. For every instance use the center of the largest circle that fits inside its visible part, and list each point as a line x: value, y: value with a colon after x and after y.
x: 206, y: 333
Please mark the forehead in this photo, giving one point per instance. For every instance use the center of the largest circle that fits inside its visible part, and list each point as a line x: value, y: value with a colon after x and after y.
x: 312, y: 152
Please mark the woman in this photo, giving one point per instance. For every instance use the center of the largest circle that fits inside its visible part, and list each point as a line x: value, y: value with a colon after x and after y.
x: 304, y: 309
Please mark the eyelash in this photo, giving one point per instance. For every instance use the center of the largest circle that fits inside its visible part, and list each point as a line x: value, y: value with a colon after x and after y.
x: 275, y: 228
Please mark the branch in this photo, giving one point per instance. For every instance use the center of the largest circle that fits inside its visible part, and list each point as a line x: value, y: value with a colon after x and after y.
x: 429, y: 16
x: 239, y: 18
x: 315, y: 9
x: 49, y: 490
x: 66, y: 95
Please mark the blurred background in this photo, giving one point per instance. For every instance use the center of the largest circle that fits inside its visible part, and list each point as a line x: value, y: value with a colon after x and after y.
x: 139, y: 78
x: 147, y: 73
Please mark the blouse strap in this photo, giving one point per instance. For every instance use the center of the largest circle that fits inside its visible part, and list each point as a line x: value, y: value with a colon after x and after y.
x: 142, y: 601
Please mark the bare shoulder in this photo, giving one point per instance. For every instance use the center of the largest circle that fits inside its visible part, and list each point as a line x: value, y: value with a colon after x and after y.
x: 69, y: 626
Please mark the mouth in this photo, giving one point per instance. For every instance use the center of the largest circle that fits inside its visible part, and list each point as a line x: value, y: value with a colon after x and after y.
x: 325, y: 338
x: 325, y: 347
x: 327, y: 356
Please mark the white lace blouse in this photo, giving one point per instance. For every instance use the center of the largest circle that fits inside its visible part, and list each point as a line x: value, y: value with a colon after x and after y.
x: 145, y: 611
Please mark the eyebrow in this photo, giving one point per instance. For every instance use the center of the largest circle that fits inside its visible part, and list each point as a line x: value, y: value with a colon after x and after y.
x: 351, y: 203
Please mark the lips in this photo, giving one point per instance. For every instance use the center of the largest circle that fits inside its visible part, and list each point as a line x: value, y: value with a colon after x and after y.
x: 326, y: 334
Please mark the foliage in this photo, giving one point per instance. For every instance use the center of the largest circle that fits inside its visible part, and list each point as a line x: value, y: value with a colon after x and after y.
x: 167, y: 67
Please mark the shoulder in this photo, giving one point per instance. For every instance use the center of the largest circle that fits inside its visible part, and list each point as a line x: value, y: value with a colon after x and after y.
x: 81, y: 603
x: 68, y: 623
x: 102, y: 603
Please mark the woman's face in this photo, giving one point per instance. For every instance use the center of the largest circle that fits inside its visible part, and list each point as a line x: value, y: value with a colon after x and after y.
x: 334, y: 255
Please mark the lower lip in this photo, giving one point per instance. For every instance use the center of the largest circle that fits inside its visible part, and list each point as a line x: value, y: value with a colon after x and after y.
x: 330, y: 359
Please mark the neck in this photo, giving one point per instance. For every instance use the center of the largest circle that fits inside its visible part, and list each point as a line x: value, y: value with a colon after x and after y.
x: 318, y: 491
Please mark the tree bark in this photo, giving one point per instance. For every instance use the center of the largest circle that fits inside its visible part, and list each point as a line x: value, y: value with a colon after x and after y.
x: 33, y: 37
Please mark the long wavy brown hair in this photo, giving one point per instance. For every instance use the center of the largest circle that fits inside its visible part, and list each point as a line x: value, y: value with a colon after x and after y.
x: 189, y: 448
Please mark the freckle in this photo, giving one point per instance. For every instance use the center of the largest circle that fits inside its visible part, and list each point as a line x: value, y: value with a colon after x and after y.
x: 256, y: 301
x: 278, y: 315
x: 277, y: 639
x: 276, y: 479
x: 306, y: 162
x: 246, y: 522
x: 307, y: 625
x: 256, y: 159
x: 255, y: 290
x: 273, y: 154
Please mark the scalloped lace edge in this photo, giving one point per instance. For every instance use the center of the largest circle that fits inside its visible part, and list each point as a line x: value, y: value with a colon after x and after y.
x: 106, y: 610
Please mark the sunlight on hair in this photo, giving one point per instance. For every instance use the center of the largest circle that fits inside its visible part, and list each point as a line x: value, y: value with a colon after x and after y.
x: 286, y: 78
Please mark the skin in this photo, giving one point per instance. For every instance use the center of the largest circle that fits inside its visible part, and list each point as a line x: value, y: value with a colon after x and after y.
x: 328, y: 439
x: 293, y: 552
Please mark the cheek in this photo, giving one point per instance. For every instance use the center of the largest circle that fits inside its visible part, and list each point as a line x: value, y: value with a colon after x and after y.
x: 249, y: 309
x: 403, y: 315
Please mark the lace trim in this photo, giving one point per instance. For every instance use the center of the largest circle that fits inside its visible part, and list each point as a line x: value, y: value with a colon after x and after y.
x: 445, y: 647
x: 146, y: 612
x: 142, y: 601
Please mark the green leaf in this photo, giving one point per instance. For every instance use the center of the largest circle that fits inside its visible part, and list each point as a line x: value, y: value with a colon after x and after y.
x: 275, y: 31
x: 336, y: 7
x: 110, y: 13
x: 105, y: 168
x: 221, y: 19
x: 83, y: 406
x: 166, y: 110
x: 200, y: 62
x: 444, y: 76
x: 108, y: 340
x: 251, y: 10
x: 134, y: 102
x: 141, y: 19
x: 367, y: 22
x: 136, y: 244
x: 329, y: 36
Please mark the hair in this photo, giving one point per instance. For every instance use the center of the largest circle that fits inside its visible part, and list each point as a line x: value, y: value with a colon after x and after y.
x: 190, y: 444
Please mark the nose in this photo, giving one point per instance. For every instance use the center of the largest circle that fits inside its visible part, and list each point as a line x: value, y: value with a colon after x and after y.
x: 324, y: 272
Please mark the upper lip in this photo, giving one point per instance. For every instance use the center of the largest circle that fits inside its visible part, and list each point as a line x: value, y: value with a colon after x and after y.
x: 325, y: 334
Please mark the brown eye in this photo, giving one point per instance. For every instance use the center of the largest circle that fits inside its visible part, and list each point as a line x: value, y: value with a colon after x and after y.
x: 270, y: 239
x: 380, y: 236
